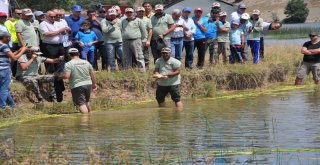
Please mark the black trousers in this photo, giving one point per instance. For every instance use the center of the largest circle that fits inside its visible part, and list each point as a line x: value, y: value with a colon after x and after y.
x: 54, y: 51
x: 261, y: 48
x: 200, y: 44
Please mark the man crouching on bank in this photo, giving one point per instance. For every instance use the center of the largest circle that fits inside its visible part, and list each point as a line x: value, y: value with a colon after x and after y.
x: 81, y: 78
x: 167, y: 70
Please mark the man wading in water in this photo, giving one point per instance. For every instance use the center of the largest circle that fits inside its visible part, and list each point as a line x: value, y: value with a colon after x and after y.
x: 311, y: 60
x: 82, y: 79
x: 167, y: 70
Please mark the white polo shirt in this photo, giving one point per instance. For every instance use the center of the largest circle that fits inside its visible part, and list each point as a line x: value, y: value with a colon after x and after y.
x: 46, y: 27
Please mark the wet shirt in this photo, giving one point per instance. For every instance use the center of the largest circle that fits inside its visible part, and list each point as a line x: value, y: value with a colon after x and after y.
x: 79, y: 72
x: 5, y: 62
x: 161, y: 25
x: 28, y: 32
x: 311, y: 58
x: 166, y: 67
x: 86, y: 38
x: 112, y: 33
x: 235, y: 36
x: 32, y: 69
x: 224, y: 36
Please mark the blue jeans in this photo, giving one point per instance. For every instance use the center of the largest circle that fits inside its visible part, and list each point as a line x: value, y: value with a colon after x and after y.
x: 114, y: 51
x: 87, y: 54
x: 176, y: 47
x: 5, y: 96
x: 255, y: 48
x: 189, y: 46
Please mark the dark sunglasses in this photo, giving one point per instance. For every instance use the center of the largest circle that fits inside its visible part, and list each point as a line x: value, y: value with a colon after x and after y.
x: 52, y: 16
x: 102, y: 12
x: 18, y: 13
x: 312, y: 35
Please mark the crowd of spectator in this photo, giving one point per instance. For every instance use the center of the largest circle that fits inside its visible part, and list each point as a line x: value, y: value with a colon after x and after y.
x: 121, y: 42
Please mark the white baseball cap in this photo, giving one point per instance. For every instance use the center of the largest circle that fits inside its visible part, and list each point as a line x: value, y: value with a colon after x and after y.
x: 158, y: 7
x: 215, y: 4
x: 257, y: 12
x: 245, y: 16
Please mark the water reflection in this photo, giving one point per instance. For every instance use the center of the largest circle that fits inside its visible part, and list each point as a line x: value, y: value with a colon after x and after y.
x: 267, y: 129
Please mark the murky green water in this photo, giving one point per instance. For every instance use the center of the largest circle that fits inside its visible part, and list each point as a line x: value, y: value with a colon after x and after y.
x: 281, y: 128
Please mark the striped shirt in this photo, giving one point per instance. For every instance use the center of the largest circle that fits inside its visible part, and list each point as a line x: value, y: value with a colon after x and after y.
x: 5, y: 62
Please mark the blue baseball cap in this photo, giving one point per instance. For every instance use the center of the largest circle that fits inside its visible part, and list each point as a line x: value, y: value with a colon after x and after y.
x: 76, y: 8
x: 187, y: 9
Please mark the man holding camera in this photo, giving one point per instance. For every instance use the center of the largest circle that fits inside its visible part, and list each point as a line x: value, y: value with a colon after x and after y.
x: 27, y: 72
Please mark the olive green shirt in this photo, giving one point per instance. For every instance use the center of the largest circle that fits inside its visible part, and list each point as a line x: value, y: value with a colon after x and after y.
x: 111, y: 33
x: 79, y: 72
x: 133, y: 29
x: 224, y: 36
x: 28, y: 32
x: 32, y: 69
x: 161, y: 25
x: 147, y: 23
x: 166, y: 67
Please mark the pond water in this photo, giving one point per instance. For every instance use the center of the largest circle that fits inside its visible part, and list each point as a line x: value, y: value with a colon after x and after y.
x: 288, y: 42
x: 278, y: 128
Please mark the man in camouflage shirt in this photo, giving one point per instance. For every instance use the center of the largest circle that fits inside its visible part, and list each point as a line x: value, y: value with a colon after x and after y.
x: 27, y: 72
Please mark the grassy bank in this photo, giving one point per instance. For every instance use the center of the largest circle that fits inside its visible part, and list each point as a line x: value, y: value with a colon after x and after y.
x: 130, y: 87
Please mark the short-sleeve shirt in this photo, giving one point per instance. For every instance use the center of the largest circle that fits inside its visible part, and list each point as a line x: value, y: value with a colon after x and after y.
x: 28, y: 32
x: 161, y: 25
x: 148, y: 24
x: 245, y: 27
x: 87, y: 37
x: 46, y: 27
x: 212, y: 29
x: 235, y: 36
x: 5, y: 62
x: 133, y: 29
x: 166, y: 67
x: 224, y: 36
x: 96, y: 28
x: 32, y: 69
x: 79, y: 72
x: 311, y: 58
x: 199, y: 33
x: 74, y: 24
